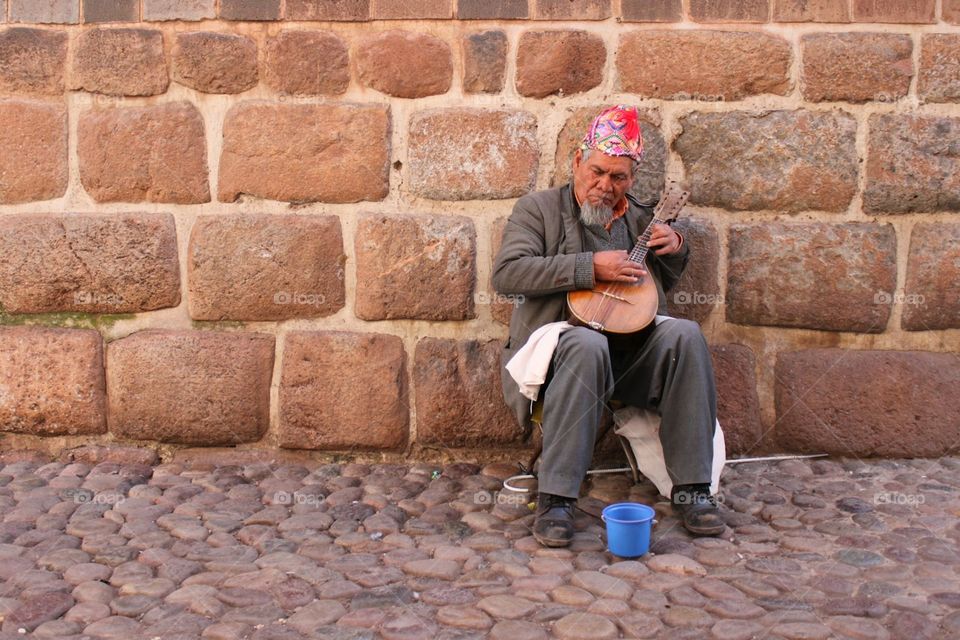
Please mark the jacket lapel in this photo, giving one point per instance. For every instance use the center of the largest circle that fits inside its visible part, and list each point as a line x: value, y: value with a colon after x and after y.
x: 572, y: 241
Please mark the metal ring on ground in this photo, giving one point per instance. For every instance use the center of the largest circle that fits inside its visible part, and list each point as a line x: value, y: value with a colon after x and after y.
x: 524, y: 476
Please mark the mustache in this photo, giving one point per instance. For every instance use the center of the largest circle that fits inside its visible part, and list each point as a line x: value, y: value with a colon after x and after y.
x: 595, y: 214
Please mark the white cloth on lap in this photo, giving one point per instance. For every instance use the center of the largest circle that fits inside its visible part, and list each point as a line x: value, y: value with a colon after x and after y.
x: 528, y: 366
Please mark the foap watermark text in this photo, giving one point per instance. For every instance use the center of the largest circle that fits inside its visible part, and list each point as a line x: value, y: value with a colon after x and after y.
x: 296, y: 297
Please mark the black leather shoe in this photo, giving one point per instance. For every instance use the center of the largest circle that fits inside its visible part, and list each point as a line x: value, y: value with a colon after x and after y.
x: 698, y: 509
x: 553, y: 526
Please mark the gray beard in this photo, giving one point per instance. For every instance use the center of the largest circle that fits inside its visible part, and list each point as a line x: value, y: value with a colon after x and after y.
x: 595, y: 215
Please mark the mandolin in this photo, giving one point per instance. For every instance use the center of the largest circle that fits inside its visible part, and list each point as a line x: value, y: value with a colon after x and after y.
x: 627, y: 307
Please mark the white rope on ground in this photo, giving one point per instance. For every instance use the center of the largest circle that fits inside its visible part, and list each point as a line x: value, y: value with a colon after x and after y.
x: 525, y: 476
x: 786, y: 457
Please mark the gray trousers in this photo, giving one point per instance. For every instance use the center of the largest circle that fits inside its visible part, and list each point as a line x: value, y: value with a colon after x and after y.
x: 670, y: 372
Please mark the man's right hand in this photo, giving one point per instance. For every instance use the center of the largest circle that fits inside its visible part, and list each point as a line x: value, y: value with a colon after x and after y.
x: 616, y: 266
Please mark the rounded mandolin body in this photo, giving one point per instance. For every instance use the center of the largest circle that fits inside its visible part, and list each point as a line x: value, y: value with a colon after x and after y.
x: 615, y: 307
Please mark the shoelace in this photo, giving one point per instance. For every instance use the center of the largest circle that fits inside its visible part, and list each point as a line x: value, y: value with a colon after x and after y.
x: 557, y: 501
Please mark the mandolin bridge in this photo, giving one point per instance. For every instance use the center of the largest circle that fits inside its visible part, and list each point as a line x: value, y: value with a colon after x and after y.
x: 615, y: 296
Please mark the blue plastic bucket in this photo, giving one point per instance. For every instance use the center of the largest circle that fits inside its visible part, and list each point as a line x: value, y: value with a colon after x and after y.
x: 628, y: 528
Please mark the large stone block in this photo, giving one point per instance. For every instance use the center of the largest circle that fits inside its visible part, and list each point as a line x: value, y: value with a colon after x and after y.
x: 492, y: 9
x: 472, y: 154
x: 51, y: 381
x: 265, y: 267
x: 421, y: 267
x: 88, y: 263
x: 158, y: 10
x: 571, y: 9
x: 939, y: 68
x: 897, y: 11
x: 111, y: 11
x: 215, y: 62
x: 341, y: 390
x: 729, y: 10
x: 908, y: 408
x: 834, y: 277
x: 190, y: 387
x: 697, y: 292
x: 649, y: 177
x: 337, y: 10
x: 32, y: 60
x: 484, y: 61
x: 672, y: 64
x: 250, y: 9
x: 307, y: 63
x: 33, y: 165
x: 811, y: 10
x: 951, y: 11
x: 305, y: 152
x: 120, y: 62
x: 411, y: 9
x: 912, y: 165
x: 932, y: 293
x: 458, y: 394
x: 651, y: 10
x: 786, y: 160
x: 156, y: 153
x: 45, y: 11
x: 738, y: 406
x: 559, y: 63
x: 856, y: 67
x: 405, y: 64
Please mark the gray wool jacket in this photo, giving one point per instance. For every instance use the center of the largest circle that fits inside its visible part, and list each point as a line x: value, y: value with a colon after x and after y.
x: 537, y: 260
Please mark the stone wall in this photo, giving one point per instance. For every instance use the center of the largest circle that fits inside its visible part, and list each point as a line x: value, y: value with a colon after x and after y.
x: 269, y: 224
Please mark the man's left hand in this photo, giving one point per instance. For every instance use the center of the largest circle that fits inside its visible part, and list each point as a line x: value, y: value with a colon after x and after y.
x: 664, y: 240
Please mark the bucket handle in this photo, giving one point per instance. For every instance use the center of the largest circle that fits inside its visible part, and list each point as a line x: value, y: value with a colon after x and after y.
x: 652, y: 522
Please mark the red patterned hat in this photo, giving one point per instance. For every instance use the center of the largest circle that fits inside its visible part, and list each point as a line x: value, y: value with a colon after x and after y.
x: 615, y: 132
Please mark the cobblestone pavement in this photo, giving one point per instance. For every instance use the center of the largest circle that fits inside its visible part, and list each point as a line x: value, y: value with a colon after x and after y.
x: 814, y: 549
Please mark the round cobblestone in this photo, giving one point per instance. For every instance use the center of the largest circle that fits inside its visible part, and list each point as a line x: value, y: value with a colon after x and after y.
x: 433, y: 568
x: 132, y: 606
x: 677, y: 565
x: 93, y: 591
x: 602, y: 585
x: 517, y: 630
x: 858, y: 628
x: 737, y: 630
x: 859, y: 557
x: 506, y: 607
x: 464, y: 616
x: 686, y: 617
x: 609, y: 608
x: 734, y: 609
x: 114, y: 628
x: 570, y: 595
x: 584, y: 626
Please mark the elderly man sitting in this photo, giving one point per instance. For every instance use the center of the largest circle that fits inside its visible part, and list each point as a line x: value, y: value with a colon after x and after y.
x: 573, y: 237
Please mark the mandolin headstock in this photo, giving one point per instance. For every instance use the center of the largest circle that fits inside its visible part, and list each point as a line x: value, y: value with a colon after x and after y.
x: 671, y: 202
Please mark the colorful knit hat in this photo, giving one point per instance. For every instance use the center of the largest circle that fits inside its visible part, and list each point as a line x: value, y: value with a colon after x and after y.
x: 615, y: 132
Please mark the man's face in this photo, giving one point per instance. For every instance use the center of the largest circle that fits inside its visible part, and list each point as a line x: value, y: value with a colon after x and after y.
x: 601, y: 180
